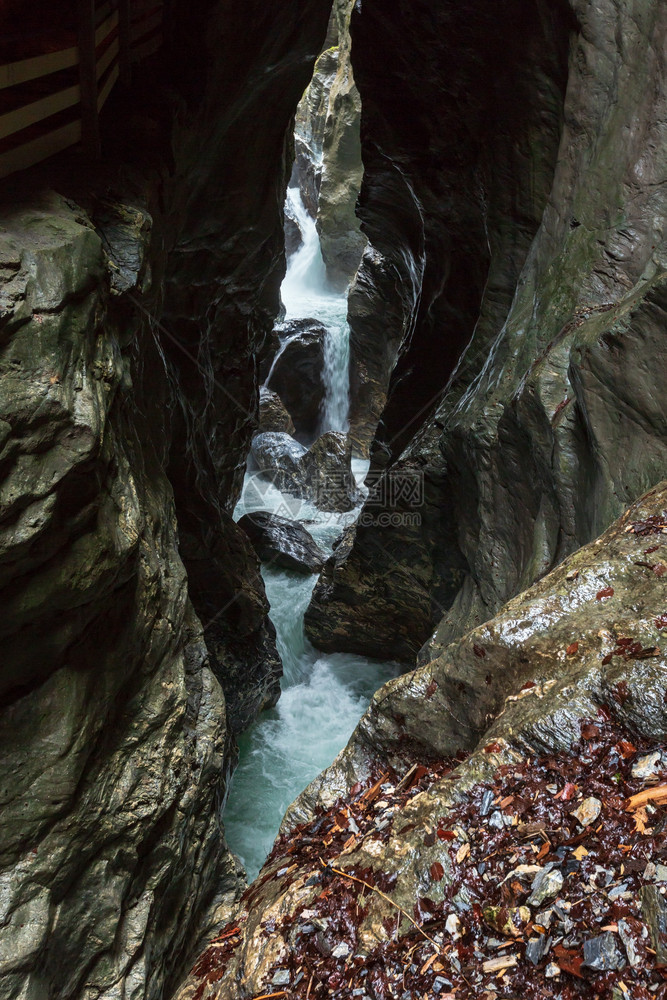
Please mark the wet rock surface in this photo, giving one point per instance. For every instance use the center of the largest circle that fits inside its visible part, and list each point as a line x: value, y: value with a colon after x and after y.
x: 340, y: 236
x: 322, y: 473
x: 442, y: 850
x: 282, y: 542
x: 132, y: 306
x: 272, y: 413
x: 297, y: 375
x: 525, y: 280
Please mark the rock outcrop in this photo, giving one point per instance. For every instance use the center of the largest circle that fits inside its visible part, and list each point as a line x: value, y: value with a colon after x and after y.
x: 337, y: 224
x: 133, y: 309
x: 321, y: 474
x: 377, y: 874
x: 296, y: 375
x: 328, y: 168
x: 282, y: 542
x: 521, y: 262
x: 272, y: 413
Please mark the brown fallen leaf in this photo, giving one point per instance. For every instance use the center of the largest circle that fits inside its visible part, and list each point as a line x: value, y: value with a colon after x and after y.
x: 657, y: 794
x: 641, y: 820
x: 605, y: 592
x: 437, y: 871
x: 572, y: 648
x: 502, y: 962
x: 427, y: 964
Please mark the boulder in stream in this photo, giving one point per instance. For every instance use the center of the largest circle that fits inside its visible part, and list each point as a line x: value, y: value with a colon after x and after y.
x: 296, y: 374
x: 282, y: 542
x: 321, y: 474
x: 272, y: 413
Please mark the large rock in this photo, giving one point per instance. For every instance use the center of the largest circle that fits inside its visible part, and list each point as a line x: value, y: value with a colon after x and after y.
x: 272, y: 413
x: 130, y: 598
x: 337, y: 224
x: 296, y: 374
x: 558, y: 688
x: 282, y: 542
x: 321, y: 474
x: 529, y: 279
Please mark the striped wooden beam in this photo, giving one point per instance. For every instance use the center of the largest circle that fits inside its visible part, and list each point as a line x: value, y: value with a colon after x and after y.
x: 13, y: 74
x: 39, y: 149
x: 90, y: 124
x: 30, y: 114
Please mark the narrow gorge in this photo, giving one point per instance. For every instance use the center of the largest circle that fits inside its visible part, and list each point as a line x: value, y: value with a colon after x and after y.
x: 333, y: 500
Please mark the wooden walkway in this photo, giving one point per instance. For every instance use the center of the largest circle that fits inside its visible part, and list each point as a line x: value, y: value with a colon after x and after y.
x: 51, y: 101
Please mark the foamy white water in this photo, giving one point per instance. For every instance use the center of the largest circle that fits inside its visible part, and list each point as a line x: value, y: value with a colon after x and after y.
x: 305, y: 295
x: 323, y: 695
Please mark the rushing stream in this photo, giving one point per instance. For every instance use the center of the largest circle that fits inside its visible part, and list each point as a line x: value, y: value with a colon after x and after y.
x: 323, y: 695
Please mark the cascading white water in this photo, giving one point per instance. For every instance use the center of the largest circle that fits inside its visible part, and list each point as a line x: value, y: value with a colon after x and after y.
x: 305, y: 295
x: 323, y: 696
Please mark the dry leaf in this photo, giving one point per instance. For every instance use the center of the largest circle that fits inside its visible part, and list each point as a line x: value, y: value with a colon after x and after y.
x: 580, y: 852
x: 462, y: 853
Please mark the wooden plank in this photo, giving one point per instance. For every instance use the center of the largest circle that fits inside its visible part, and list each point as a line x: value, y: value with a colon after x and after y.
x: 13, y: 74
x: 106, y: 28
x: 90, y: 125
x: 39, y: 149
x: 108, y: 87
x: 142, y: 28
x: 108, y: 57
x: 149, y: 48
x: 30, y: 114
x: 102, y: 12
x: 125, y: 58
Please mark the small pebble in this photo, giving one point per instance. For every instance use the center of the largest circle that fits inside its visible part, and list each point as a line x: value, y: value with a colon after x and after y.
x: 588, y: 811
x: 647, y: 766
x: 545, y: 884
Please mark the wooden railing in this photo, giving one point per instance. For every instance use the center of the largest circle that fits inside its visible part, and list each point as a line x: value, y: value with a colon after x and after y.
x: 74, y: 82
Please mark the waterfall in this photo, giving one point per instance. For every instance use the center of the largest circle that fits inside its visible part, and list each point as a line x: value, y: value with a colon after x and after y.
x: 336, y: 405
x: 323, y: 695
x: 306, y: 276
x: 305, y: 295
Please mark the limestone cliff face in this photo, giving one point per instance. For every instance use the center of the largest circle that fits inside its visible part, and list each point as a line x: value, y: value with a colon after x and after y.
x: 328, y: 166
x: 134, y: 303
x: 515, y: 202
x: 342, y: 171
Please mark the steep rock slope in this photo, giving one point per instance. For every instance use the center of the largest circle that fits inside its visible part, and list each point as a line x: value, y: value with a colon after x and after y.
x: 132, y: 309
x: 340, y: 236
x: 515, y: 199
x: 372, y: 883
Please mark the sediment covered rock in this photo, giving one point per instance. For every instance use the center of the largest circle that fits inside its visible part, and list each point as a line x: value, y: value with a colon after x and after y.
x: 523, y: 263
x: 282, y: 542
x: 446, y: 844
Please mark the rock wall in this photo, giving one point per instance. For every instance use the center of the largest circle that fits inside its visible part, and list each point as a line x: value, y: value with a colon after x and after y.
x: 515, y: 202
x: 328, y: 168
x: 342, y: 171
x: 377, y: 880
x: 134, y: 306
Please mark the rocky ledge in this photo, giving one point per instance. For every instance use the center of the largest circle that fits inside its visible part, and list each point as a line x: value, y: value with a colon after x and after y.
x: 496, y: 824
